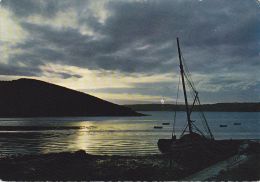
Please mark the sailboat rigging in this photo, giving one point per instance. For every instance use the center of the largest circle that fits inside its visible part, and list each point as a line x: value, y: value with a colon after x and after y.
x: 194, y: 141
x: 190, y: 124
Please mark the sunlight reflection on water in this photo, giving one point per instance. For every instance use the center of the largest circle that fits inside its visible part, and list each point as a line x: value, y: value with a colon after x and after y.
x: 112, y: 135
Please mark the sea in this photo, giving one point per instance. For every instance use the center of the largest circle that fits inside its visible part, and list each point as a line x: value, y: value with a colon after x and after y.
x: 115, y: 135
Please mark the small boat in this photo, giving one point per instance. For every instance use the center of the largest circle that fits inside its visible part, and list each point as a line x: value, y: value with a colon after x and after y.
x: 237, y: 124
x: 157, y: 127
x: 195, y: 145
x: 223, y: 125
x: 165, y: 123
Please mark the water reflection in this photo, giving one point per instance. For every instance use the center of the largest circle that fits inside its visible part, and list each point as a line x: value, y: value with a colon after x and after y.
x: 111, y: 135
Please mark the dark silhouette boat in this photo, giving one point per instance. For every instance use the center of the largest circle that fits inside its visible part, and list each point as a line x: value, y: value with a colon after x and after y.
x: 236, y: 124
x: 223, y: 125
x: 165, y: 123
x: 194, y: 143
x: 157, y: 127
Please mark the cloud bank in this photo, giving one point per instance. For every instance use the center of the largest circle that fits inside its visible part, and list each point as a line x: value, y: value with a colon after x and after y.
x: 129, y: 47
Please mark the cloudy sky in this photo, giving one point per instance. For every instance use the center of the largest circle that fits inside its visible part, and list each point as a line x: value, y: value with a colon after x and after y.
x: 125, y: 50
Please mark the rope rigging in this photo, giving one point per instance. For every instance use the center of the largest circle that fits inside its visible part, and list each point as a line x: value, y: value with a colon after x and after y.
x: 196, y: 101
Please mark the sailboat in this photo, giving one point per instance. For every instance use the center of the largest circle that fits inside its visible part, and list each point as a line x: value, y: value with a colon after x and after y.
x: 193, y: 141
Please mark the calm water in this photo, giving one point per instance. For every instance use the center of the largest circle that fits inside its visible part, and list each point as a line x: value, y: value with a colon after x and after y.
x: 115, y: 135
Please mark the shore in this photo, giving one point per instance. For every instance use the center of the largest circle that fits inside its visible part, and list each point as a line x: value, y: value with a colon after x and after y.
x: 246, y: 171
x: 82, y: 166
x: 235, y: 168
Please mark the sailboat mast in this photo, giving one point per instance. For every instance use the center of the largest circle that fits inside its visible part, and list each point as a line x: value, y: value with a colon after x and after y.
x: 184, y: 88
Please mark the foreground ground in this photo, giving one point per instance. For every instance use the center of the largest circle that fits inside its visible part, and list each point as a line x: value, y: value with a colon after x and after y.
x: 236, y: 168
x: 247, y: 171
x: 82, y: 166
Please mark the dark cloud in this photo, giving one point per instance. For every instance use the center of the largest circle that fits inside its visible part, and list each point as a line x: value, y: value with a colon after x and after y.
x: 24, y: 8
x: 198, y: 23
x: 139, y: 37
x: 208, y: 25
x: 67, y: 75
x: 63, y: 75
x: 15, y: 70
x: 251, y: 94
x: 73, y: 48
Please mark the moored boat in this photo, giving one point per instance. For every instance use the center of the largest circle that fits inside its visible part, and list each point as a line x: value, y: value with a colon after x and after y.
x: 195, y: 143
x: 223, y: 125
x: 157, y: 127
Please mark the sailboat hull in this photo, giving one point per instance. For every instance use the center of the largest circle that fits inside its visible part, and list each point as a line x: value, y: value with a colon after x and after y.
x: 194, y: 147
x: 200, y: 149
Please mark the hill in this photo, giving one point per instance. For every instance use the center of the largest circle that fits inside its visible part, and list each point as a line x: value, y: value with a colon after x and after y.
x: 219, y: 107
x: 34, y: 98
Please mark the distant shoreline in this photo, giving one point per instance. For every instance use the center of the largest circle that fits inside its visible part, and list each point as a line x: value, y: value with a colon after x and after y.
x: 218, y: 107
